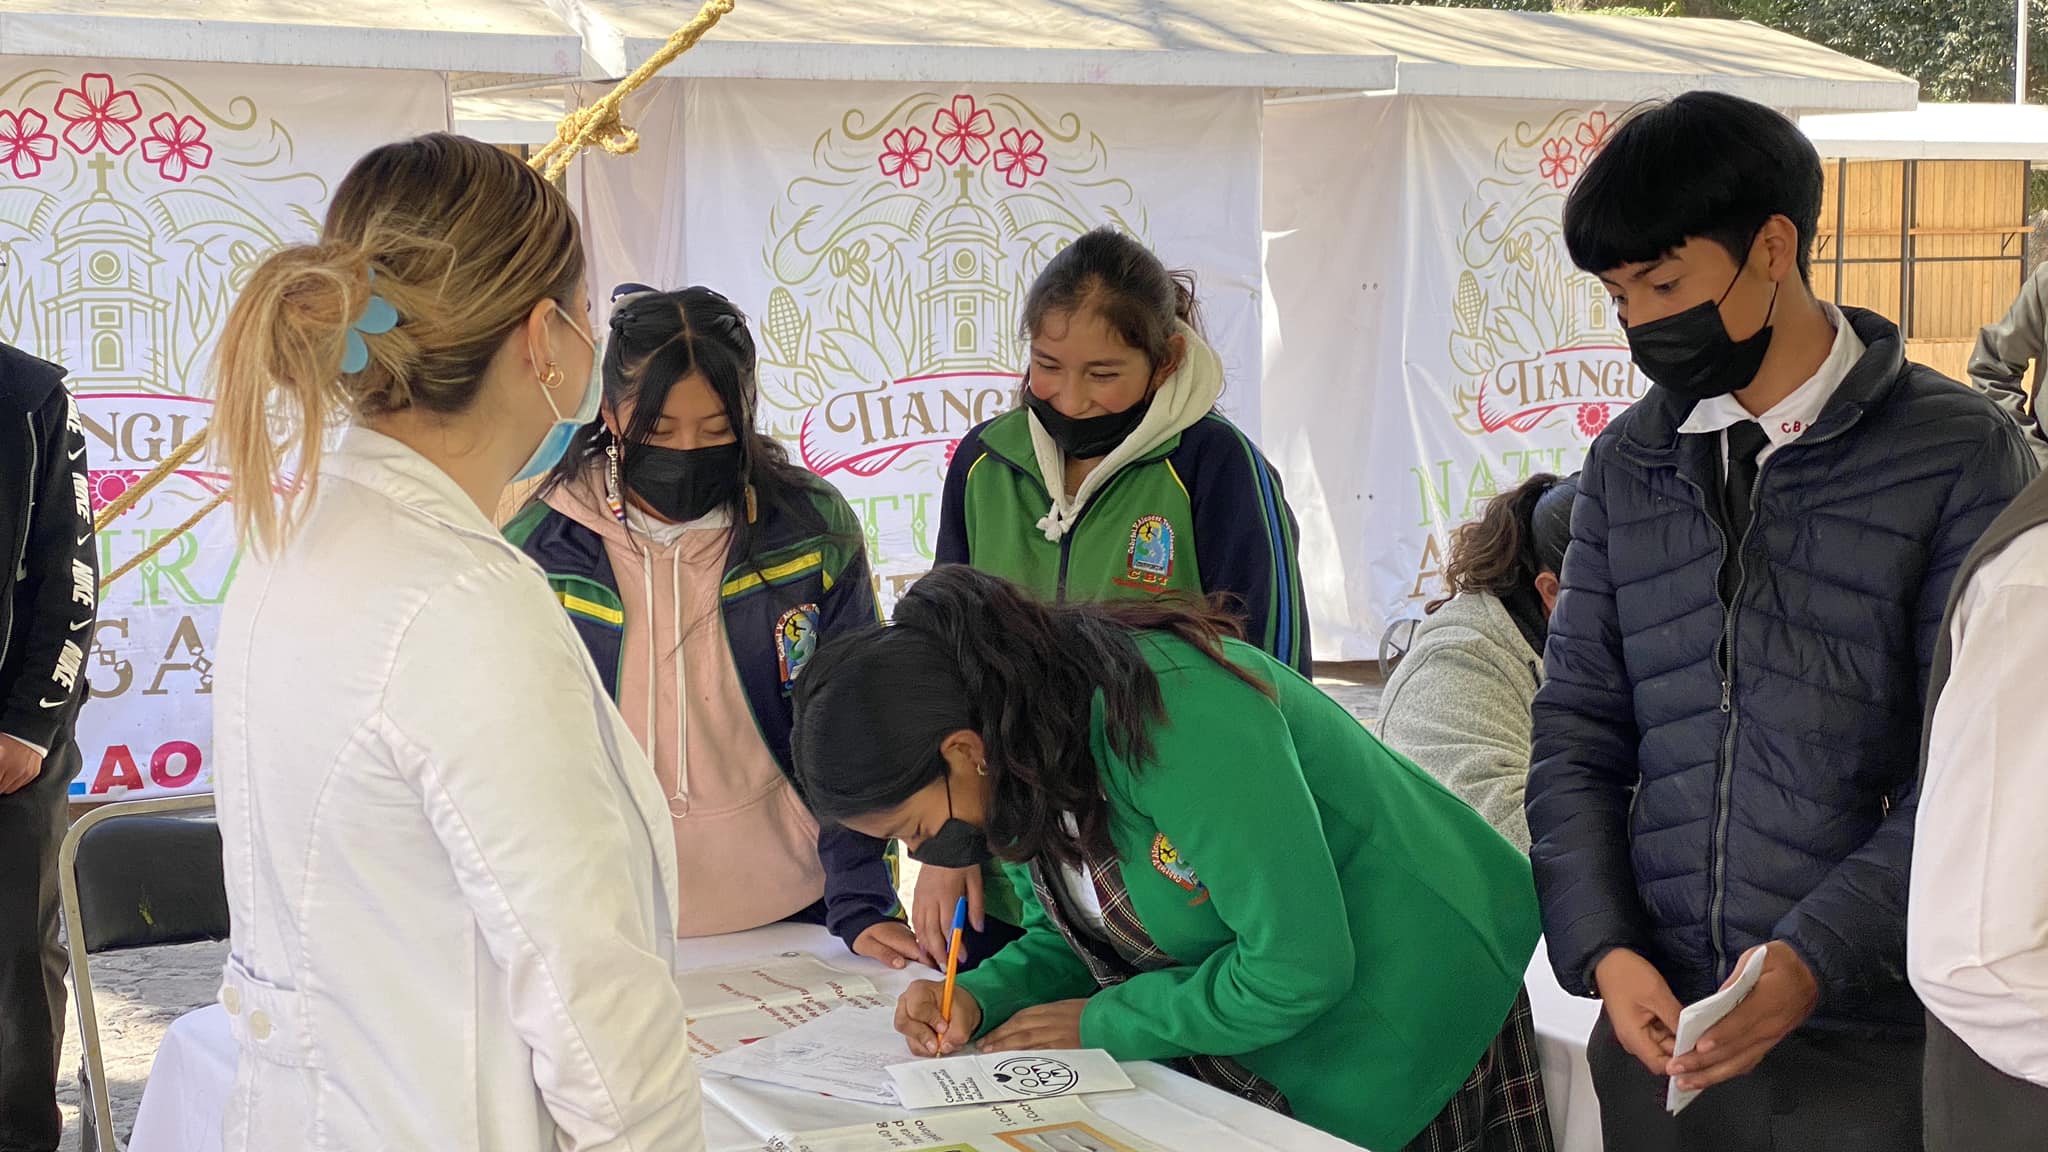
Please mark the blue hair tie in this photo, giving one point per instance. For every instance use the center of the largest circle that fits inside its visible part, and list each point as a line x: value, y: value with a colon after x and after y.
x: 378, y: 318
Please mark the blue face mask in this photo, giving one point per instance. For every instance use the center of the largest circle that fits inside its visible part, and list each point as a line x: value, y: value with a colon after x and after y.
x: 563, y: 430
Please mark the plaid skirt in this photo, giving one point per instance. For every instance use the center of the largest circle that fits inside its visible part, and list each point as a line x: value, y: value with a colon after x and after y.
x: 1500, y: 1108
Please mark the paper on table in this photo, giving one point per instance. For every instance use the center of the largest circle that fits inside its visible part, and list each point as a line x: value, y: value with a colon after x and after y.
x: 1023, y: 1126
x: 1007, y: 1076
x: 1704, y: 1014
x: 741, y: 1003
x: 846, y: 1053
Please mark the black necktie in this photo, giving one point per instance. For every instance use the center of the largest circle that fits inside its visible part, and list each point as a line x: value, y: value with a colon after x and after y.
x: 1745, y: 441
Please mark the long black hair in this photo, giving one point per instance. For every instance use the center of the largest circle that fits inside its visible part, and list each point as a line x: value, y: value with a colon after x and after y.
x: 970, y: 651
x: 657, y: 339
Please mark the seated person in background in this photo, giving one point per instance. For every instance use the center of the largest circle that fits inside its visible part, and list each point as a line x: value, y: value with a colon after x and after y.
x: 1998, y: 366
x: 701, y: 568
x: 1458, y: 704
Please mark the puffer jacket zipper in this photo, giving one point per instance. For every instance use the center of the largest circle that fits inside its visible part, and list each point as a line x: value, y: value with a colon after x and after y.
x: 1724, y: 765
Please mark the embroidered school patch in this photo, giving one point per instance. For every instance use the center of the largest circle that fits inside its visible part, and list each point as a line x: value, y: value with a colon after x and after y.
x: 796, y: 637
x: 1166, y: 860
x: 1150, y: 554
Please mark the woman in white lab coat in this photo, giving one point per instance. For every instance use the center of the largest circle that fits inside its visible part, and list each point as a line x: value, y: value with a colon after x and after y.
x: 450, y: 871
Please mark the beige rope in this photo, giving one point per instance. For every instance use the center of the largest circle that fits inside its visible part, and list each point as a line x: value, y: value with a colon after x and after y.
x: 597, y: 124
x: 164, y: 541
x: 178, y: 458
x: 600, y: 123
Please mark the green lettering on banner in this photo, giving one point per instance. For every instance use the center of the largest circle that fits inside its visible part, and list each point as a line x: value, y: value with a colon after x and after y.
x: 1480, y: 488
x: 1435, y: 492
x: 1444, y: 503
x: 871, y: 509
x: 167, y: 567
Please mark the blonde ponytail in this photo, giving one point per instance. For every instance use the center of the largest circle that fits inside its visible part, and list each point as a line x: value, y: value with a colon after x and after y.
x: 279, y: 369
x: 464, y: 240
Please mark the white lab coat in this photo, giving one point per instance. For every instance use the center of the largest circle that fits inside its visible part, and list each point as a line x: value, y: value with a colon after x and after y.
x: 449, y: 867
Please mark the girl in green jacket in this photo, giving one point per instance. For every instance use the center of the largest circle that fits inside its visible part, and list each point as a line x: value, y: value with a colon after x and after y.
x: 1114, y: 479
x: 1217, y: 864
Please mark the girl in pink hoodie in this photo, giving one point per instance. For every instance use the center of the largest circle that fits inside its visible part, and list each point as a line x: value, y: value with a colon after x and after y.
x: 701, y: 568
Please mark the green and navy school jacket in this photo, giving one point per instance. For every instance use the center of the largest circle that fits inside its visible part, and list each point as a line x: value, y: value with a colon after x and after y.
x: 823, y: 577
x: 1202, y: 513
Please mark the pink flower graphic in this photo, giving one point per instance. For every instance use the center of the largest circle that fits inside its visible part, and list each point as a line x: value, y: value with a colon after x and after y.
x: 99, y: 115
x: 1592, y: 419
x: 176, y: 145
x: 1558, y: 165
x: 963, y: 131
x: 24, y: 144
x: 905, y: 157
x: 108, y: 487
x: 1021, y: 159
x: 1592, y: 135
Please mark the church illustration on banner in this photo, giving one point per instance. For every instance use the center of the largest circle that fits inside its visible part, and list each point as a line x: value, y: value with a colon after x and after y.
x: 106, y: 316
x: 891, y: 322
x: 965, y: 306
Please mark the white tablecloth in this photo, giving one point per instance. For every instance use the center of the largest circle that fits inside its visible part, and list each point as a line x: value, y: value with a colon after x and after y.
x: 194, y: 1073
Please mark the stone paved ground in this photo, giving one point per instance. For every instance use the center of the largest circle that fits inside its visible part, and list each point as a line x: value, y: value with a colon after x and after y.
x: 139, y: 993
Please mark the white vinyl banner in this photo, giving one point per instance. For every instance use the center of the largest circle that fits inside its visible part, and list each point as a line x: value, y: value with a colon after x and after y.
x: 135, y: 200
x: 1428, y: 342
x: 883, y: 237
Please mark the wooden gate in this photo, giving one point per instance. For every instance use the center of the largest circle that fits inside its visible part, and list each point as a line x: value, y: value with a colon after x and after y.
x: 1938, y: 245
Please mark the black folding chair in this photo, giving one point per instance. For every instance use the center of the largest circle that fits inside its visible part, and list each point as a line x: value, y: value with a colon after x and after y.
x: 140, y: 874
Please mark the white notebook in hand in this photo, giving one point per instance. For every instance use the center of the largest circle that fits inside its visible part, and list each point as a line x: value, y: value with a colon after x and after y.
x: 1704, y: 1014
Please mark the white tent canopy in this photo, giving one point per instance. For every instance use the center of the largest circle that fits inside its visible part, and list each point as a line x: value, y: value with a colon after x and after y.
x: 492, y: 37
x: 1935, y: 132
x: 1278, y: 45
x: 1572, y: 56
x: 1281, y: 46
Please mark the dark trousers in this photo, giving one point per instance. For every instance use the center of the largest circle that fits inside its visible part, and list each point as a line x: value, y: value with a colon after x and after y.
x: 1814, y: 1092
x: 1973, y: 1107
x: 32, y: 961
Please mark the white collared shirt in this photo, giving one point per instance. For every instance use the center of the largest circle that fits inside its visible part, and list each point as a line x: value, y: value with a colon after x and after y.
x: 1789, y: 418
x: 1977, y: 911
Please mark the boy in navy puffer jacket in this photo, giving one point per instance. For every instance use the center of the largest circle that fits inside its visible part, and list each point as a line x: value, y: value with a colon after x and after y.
x: 1725, y: 745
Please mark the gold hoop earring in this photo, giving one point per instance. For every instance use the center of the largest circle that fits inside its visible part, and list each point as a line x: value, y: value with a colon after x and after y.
x: 553, y: 379
x: 981, y: 769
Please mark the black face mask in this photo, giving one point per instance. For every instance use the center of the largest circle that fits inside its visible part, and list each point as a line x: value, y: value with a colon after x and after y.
x: 1090, y: 436
x: 1691, y: 355
x: 682, y: 485
x: 957, y: 844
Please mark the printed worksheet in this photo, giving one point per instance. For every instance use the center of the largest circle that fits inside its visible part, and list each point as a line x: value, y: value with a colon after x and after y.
x: 1007, y: 1076
x: 1022, y: 1126
x: 741, y: 1003
x: 846, y: 1053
